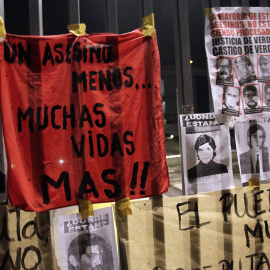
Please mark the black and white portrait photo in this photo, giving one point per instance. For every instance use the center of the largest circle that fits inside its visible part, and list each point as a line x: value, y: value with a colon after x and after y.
x: 252, y: 144
x: 87, y: 243
x: 256, y: 159
x: 266, y: 97
x: 251, y: 99
x: 244, y: 70
x: 231, y: 99
x: 89, y: 252
x: 224, y: 71
x: 205, y: 148
x: 264, y: 68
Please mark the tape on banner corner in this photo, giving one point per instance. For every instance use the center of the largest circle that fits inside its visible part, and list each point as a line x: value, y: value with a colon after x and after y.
x: 207, y: 13
x: 77, y: 29
x: 86, y: 208
x: 148, y: 23
x: 254, y: 183
x: 3, y: 32
x: 123, y: 206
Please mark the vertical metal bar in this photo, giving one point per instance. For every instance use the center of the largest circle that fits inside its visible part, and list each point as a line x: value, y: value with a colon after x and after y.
x: 178, y: 66
x: 147, y: 7
x: 184, y: 92
x: 209, y: 4
x: 74, y: 11
x: 182, y: 52
x: 214, y: 3
x: 264, y: 3
x: 2, y: 9
x: 36, y: 18
x: 236, y: 3
x: 245, y: 3
x: 111, y: 18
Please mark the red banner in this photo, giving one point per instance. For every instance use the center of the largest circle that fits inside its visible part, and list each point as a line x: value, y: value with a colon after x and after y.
x: 82, y: 119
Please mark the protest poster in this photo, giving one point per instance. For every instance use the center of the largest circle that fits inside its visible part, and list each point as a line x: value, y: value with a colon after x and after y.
x: 25, y: 240
x: 238, y: 53
x: 218, y: 230
x: 89, y: 243
x: 82, y: 119
x: 206, y: 154
x: 252, y: 143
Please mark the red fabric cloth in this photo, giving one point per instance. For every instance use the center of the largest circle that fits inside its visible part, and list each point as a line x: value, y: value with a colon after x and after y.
x: 82, y: 118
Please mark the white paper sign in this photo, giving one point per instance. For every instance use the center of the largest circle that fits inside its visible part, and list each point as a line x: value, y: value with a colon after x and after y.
x: 238, y: 51
x: 206, y: 154
x: 252, y: 142
x: 89, y: 243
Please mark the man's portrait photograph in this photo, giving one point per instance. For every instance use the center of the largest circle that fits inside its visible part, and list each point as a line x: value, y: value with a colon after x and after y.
x: 251, y: 99
x: 231, y: 100
x: 266, y: 97
x: 224, y: 71
x: 252, y: 146
x: 244, y: 70
x: 264, y: 68
x: 90, y: 252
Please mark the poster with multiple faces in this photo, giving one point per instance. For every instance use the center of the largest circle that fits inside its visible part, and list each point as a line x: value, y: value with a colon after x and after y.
x: 238, y: 52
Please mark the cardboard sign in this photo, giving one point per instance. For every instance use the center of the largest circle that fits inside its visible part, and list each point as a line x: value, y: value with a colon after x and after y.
x: 25, y: 240
x: 218, y: 230
x: 82, y: 119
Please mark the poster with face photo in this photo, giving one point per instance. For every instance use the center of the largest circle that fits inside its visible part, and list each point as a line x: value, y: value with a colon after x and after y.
x: 244, y: 69
x: 238, y: 54
x: 264, y: 68
x: 266, y: 97
x: 224, y: 71
x: 252, y: 143
x: 206, y: 151
x: 251, y: 99
x: 231, y: 100
x: 88, y: 243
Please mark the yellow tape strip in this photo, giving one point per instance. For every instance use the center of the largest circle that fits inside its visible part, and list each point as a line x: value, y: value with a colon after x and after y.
x: 86, y: 208
x: 3, y: 32
x: 149, y: 26
x: 77, y: 29
x: 207, y: 13
x: 123, y: 206
x: 254, y: 183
